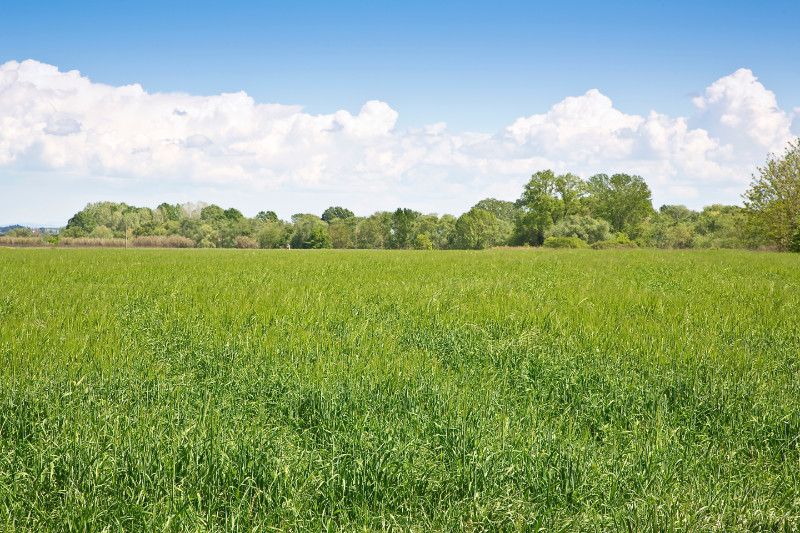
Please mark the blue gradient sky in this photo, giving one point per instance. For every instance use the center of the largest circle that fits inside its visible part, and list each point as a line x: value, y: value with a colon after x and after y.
x: 474, y: 65
x: 477, y: 66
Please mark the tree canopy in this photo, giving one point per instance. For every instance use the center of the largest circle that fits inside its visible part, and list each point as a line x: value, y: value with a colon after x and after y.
x: 621, y: 199
x: 546, y: 199
x: 773, y: 199
x: 332, y: 213
x: 603, y: 211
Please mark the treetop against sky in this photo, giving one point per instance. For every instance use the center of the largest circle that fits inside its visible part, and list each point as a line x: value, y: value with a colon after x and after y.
x: 295, y: 108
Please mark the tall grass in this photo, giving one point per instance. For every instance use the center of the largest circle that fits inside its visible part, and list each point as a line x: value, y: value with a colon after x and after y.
x: 92, y: 242
x: 162, y: 241
x: 23, y: 241
x: 239, y: 390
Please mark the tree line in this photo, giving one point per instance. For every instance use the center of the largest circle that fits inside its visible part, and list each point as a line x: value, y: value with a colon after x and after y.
x: 556, y: 210
x: 553, y: 210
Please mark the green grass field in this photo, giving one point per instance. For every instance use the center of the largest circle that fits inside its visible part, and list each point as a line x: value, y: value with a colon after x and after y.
x: 226, y: 390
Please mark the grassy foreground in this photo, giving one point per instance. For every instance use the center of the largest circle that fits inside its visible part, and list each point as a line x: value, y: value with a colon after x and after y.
x: 192, y: 390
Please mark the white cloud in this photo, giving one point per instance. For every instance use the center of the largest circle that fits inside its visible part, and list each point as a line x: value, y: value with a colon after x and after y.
x: 741, y: 112
x: 56, y: 125
x: 581, y: 129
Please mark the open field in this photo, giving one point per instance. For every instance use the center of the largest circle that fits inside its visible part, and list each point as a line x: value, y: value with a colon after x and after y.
x: 229, y: 390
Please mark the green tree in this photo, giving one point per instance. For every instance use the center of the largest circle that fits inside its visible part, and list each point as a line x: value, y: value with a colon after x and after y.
x: 319, y: 238
x: 101, y: 232
x: 546, y: 199
x: 197, y: 230
x: 569, y: 189
x: 502, y: 209
x: 20, y: 232
x: 229, y: 229
x: 267, y: 216
x: 588, y: 229
x: 794, y: 245
x: 423, y: 242
x: 443, y: 236
x: 209, y: 234
x: 304, y: 225
x: 332, y: 213
x: 82, y: 223
x: 623, y: 200
x: 678, y: 213
x: 722, y: 226
x: 169, y: 211
x: 426, y: 224
x: 773, y: 199
x: 344, y: 232
x: 233, y: 214
x: 211, y: 213
x: 151, y: 228
x: 274, y: 235
x: 402, y: 235
x: 375, y: 231
x: 679, y: 235
x: 477, y: 229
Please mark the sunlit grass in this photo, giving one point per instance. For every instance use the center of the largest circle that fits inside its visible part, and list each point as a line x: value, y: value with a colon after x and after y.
x: 506, y: 390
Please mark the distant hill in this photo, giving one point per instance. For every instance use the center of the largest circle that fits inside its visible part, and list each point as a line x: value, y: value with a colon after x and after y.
x: 50, y: 231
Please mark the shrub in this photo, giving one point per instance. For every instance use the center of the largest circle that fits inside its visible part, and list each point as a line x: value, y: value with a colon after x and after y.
x: 564, y: 242
x: 243, y: 241
x: 423, y: 242
x: 588, y: 229
x: 621, y: 241
x: 19, y: 232
x: 319, y: 238
x: 794, y: 244
x: 101, y: 232
x: 274, y: 235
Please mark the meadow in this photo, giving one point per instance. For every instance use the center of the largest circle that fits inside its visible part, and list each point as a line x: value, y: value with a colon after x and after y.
x: 518, y: 390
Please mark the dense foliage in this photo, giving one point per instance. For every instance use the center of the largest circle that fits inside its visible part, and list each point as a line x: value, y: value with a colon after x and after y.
x: 601, y: 211
x: 773, y: 199
x: 511, y: 390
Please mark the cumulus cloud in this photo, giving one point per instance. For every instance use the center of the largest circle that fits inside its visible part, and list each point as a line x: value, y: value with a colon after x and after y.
x: 742, y: 113
x: 56, y: 123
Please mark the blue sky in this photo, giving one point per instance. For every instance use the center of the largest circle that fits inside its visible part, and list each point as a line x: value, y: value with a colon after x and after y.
x: 478, y: 67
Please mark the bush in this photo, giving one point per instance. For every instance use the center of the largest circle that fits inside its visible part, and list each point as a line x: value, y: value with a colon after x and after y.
x: 588, y: 229
x: 319, y: 238
x: 794, y: 244
x: 74, y: 232
x: 274, y: 235
x: 101, y: 232
x: 620, y: 242
x: 423, y: 242
x: 243, y: 241
x: 19, y: 232
x: 564, y: 242
x: 163, y: 241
